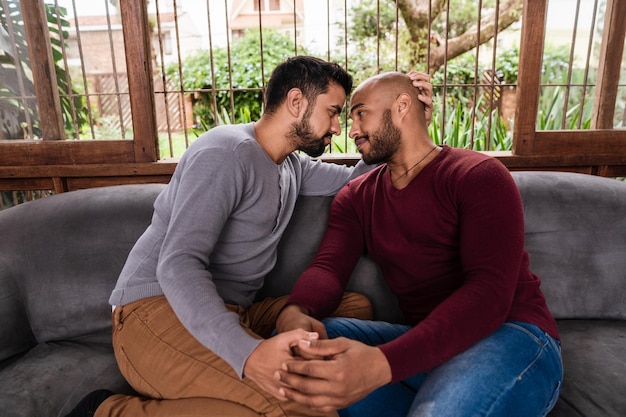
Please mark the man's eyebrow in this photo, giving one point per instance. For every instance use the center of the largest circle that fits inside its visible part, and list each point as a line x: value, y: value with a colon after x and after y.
x: 356, y: 106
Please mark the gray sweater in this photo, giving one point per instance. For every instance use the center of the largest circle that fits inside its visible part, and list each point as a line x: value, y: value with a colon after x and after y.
x: 215, y: 230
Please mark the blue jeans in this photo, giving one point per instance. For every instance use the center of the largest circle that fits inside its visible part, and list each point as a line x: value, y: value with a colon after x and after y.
x: 517, y: 371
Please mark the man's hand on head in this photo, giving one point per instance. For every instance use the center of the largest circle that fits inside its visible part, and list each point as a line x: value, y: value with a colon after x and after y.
x: 421, y: 81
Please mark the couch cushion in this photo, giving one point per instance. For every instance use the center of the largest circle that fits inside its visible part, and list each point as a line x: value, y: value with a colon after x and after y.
x: 297, y: 249
x: 64, y: 254
x: 576, y: 235
x: 15, y: 334
x: 298, y: 245
x: 53, y: 377
x: 594, y: 361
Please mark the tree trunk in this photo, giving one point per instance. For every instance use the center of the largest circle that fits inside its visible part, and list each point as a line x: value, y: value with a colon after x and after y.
x: 416, y: 17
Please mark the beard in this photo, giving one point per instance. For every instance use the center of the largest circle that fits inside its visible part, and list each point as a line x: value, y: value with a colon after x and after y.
x: 384, y: 142
x: 309, y: 142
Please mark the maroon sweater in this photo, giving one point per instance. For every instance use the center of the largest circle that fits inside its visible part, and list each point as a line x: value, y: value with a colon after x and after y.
x: 451, y: 247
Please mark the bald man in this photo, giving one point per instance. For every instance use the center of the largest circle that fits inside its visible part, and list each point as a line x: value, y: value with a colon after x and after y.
x: 446, y: 227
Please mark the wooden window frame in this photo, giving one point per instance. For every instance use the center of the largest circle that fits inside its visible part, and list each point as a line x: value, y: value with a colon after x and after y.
x: 599, y: 151
x: 64, y: 165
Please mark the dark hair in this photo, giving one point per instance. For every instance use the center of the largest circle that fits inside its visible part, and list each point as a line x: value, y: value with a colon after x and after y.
x: 311, y: 75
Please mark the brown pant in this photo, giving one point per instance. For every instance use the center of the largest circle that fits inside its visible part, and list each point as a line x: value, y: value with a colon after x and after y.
x: 179, y: 377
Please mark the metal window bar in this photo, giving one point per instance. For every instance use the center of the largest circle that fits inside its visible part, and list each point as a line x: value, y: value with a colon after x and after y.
x: 68, y: 78
x: 114, y: 65
x: 587, y: 63
x: 177, y: 28
x: 230, y: 62
x: 492, y: 86
x: 23, y: 97
x: 571, y: 61
x: 165, y: 92
x: 445, y: 75
x: 476, y: 88
x: 83, y: 72
x: 212, y: 59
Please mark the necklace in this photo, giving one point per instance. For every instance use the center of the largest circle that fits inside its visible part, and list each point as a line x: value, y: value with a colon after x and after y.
x: 415, y: 165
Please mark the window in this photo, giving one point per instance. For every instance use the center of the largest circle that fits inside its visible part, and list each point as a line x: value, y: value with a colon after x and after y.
x: 263, y: 5
x: 124, y: 112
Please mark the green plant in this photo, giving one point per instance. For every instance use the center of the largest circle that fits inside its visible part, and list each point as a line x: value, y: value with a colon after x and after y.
x: 490, y: 131
x: 552, y: 114
x: 458, y: 71
x: 405, y: 24
x: 342, y: 143
x: 555, y: 64
x: 561, y: 107
x: 507, y: 65
x: 239, y: 77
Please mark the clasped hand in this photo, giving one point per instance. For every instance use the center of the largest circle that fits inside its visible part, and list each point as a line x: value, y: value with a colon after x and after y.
x: 334, y: 374
x: 325, y: 374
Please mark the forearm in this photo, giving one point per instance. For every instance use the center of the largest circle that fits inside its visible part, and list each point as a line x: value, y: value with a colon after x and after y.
x: 464, y: 318
x: 325, y: 178
x: 202, y: 311
x: 316, y: 293
x: 321, y: 286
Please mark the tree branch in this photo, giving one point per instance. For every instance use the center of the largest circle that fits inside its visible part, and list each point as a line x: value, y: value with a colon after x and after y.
x: 510, y: 12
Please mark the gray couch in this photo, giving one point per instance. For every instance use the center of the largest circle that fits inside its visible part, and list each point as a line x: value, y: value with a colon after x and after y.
x: 60, y: 257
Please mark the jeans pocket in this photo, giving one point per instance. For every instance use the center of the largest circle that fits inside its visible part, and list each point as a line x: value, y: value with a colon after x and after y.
x: 554, y: 399
x: 531, y: 330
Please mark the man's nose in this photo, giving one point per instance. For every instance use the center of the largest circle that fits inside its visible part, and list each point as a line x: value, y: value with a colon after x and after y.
x: 335, y: 127
x: 354, y: 130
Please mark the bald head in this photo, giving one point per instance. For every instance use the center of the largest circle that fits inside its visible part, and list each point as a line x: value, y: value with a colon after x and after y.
x: 387, y: 87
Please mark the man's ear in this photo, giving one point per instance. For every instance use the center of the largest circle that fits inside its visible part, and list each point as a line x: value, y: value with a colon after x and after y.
x: 296, y: 102
x: 403, y: 105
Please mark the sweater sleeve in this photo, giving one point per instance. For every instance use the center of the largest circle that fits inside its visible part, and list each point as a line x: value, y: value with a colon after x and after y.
x: 491, y: 234
x: 321, y: 286
x: 323, y: 178
x: 209, y: 186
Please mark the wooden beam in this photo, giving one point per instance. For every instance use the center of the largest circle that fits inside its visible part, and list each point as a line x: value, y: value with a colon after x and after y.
x: 61, y: 178
x: 89, y: 170
x: 59, y: 184
x: 81, y: 183
x: 138, y: 49
x: 42, y: 67
x: 26, y: 184
x: 65, y: 152
x: 612, y: 171
x: 586, y: 145
x: 609, y: 65
x: 529, y: 77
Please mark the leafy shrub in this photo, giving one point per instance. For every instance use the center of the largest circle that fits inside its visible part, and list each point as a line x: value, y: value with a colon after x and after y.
x: 214, y: 77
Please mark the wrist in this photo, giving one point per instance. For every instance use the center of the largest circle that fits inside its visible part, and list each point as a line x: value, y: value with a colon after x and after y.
x: 291, y: 310
x: 383, y: 368
x: 290, y: 317
x: 295, y: 308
